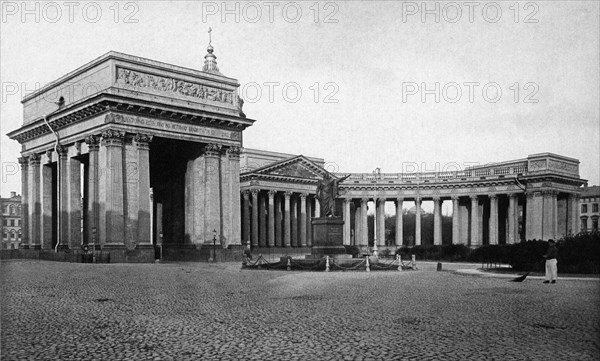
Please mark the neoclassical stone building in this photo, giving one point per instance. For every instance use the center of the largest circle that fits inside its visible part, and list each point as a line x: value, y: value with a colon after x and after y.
x: 151, y: 153
x: 531, y: 198
x: 149, y: 150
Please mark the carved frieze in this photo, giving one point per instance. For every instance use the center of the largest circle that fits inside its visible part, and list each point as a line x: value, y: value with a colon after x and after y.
x: 562, y: 166
x: 537, y: 165
x: 172, y: 85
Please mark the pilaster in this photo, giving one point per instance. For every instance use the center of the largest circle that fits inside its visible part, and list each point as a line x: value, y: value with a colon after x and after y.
x: 399, y: 223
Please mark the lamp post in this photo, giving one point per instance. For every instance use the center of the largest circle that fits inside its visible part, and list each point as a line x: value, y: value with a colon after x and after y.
x: 214, y: 245
x: 376, y: 176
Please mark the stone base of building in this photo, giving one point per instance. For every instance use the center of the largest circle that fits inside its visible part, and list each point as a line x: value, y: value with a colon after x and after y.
x: 191, y: 253
x: 327, y: 237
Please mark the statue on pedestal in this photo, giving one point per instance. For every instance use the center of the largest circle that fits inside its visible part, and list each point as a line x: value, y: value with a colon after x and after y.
x: 327, y: 192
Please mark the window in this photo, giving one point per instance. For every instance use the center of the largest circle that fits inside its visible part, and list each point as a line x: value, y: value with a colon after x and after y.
x: 19, y: 210
x: 18, y: 222
x: 5, y: 222
x: 12, y: 209
x: 6, y: 209
x: 584, y: 224
x: 595, y: 224
x: 584, y: 208
x: 19, y: 234
x: 5, y: 234
x: 595, y: 207
x: 12, y: 234
x: 12, y: 222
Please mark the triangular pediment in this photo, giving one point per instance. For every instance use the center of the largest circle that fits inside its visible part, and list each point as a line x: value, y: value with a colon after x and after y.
x: 296, y: 167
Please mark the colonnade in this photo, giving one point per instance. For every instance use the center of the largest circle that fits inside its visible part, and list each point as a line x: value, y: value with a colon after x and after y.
x: 273, y: 218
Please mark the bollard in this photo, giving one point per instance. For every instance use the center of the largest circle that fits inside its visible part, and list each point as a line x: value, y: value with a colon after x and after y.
x: 399, y: 262
x: 289, y: 264
x: 414, y: 262
x: 439, y: 266
x: 368, y: 267
x: 327, y: 264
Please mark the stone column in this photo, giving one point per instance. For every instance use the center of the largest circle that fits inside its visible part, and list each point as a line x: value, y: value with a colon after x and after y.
x: 475, y: 241
x: 357, y: 224
x: 233, y: 156
x: 63, y: 205
x: 317, y: 208
x: 455, y: 221
x: 144, y: 223
x: 381, y: 222
x: 346, y: 215
x: 195, y: 199
x: 512, y: 219
x: 278, y: 220
x: 246, y: 230
x: 493, y: 221
x: 47, y: 224
x: 573, y: 204
x: 262, y: 220
x: 399, y: 225
x: 294, y: 216
x: 212, y: 201
x: 25, y: 239
x: 74, y: 211
x: 302, y: 219
x: 112, y: 232
x: 364, y: 222
x: 255, y: 212
x: 309, y: 235
x: 287, y: 222
x: 437, y: 221
x: 93, y: 206
x: 271, y: 213
x: 549, y: 215
x: 35, y: 209
x: 418, y: 221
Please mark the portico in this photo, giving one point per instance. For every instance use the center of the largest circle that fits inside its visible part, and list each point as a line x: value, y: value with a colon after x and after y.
x: 150, y: 156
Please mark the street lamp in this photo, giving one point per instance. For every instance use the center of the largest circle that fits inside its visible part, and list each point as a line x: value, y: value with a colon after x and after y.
x: 376, y: 176
x: 214, y: 245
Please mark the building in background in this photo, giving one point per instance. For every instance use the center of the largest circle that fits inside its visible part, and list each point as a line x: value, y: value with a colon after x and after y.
x: 10, y: 225
x: 588, y: 208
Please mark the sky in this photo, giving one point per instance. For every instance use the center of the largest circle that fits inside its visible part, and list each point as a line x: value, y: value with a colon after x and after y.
x: 399, y: 86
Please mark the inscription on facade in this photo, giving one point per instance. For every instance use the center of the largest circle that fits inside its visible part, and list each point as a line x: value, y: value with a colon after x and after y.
x: 172, y: 85
x: 172, y: 126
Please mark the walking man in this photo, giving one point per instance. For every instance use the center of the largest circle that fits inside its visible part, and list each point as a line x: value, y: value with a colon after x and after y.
x: 551, y: 268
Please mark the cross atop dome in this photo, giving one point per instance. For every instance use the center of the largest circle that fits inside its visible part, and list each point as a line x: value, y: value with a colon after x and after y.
x: 210, y: 59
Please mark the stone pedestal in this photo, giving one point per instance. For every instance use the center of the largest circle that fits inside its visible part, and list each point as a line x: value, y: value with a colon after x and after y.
x: 328, y: 236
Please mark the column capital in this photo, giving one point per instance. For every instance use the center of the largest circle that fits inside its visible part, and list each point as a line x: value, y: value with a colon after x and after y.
x: 254, y: 191
x: 143, y: 140
x: 364, y: 200
x: 93, y: 142
x: 400, y: 199
x: 62, y: 150
x: 246, y: 194
x: 212, y: 149
x: 272, y: 193
x: 454, y: 197
x: 436, y: 198
x: 303, y: 196
x: 512, y: 195
x: 549, y: 193
x: 49, y: 154
x: 418, y: 199
x: 111, y: 137
x: 35, y: 159
x: 233, y: 152
x: 287, y: 195
x: 474, y: 197
x: 24, y: 162
x: 493, y: 196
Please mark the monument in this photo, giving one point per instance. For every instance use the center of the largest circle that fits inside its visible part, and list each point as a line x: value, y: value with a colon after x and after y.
x: 328, y: 229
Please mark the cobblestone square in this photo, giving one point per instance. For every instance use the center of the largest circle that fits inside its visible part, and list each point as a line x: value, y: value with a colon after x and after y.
x: 193, y: 311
